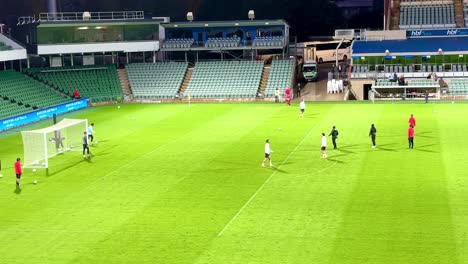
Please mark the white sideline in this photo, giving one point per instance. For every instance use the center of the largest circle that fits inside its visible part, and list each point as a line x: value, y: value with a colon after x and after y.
x: 263, y: 185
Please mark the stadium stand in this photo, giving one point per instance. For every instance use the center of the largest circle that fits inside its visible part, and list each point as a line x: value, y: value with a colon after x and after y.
x: 23, y: 90
x: 458, y: 87
x: 156, y: 80
x: 222, y: 42
x: 281, y: 74
x: 225, y: 79
x: 276, y: 41
x: 99, y: 83
x: 178, y: 43
x: 465, y: 12
x: 420, y: 14
x: 8, y: 109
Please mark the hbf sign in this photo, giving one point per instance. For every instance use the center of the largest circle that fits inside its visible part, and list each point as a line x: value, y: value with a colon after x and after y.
x: 437, y: 32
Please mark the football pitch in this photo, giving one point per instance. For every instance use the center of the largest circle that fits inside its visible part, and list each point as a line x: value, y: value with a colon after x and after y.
x: 171, y: 183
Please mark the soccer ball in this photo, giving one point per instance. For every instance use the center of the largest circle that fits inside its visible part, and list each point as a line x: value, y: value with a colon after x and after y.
x: 34, y: 170
x: 118, y: 107
x: 1, y: 175
x: 35, y: 181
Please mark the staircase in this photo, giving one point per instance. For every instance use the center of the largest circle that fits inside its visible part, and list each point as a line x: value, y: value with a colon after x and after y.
x: 395, y: 15
x: 186, y: 81
x: 459, y: 17
x: 264, y: 79
x: 125, y: 84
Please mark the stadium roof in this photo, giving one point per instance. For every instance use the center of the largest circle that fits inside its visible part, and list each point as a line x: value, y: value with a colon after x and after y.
x: 419, y: 46
x: 97, y: 23
x: 242, y: 23
x: 354, y: 3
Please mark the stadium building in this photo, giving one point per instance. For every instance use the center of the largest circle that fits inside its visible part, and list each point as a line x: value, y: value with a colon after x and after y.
x: 124, y: 56
x: 164, y: 159
x: 427, y: 46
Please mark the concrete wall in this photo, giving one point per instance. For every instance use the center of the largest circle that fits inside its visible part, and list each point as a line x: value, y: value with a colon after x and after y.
x: 358, y: 87
x: 385, y: 35
x: 137, y: 46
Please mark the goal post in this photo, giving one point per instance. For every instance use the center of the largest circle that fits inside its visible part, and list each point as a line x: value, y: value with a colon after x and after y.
x: 41, y: 144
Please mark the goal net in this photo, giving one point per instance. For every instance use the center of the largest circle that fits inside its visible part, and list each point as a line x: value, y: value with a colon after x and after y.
x: 42, y: 144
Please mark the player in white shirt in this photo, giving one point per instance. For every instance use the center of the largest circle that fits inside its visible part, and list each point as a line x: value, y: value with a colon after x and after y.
x: 324, y: 146
x: 91, y: 133
x: 302, y: 106
x: 267, y: 153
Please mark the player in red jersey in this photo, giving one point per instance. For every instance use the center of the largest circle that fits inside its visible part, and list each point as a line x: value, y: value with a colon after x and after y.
x: 287, y: 92
x: 412, y: 121
x: 18, y: 172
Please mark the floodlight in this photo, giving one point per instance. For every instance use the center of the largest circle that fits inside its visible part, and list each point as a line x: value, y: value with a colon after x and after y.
x: 86, y: 15
x: 251, y: 14
x: 190, y: 16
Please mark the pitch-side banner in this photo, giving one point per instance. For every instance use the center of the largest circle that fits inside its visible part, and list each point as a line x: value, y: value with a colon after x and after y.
x: 417, y: 33
x: 24, y: 119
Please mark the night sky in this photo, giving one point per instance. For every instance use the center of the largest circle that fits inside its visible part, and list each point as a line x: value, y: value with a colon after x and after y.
x: 306, y: 17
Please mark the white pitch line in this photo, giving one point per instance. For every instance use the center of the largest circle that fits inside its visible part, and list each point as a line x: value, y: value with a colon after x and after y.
x: 263, y: 185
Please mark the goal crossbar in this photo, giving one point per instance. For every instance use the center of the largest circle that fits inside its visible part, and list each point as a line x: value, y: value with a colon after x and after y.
x: 41, y: 144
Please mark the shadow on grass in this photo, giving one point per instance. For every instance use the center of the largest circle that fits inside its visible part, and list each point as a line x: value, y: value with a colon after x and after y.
x: 279, y: 170
x: 385, y: 148
x: 429, y: 145
x: 345, y: 148
x: 333, y: 158
x: 391, y: 135
x: 60, y: 169
x: 424, y: 134
x: 425, y: 150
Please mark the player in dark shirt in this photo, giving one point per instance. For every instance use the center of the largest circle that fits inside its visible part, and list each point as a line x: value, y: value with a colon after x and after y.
x: 334, y: 134
x: 85, y: 144
x: 372, y: 134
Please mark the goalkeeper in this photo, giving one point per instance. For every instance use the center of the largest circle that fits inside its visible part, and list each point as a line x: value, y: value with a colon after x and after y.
x: 91, y: 133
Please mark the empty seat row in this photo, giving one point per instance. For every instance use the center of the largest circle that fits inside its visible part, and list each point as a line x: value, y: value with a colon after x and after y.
x: 276, y: 41
x: 222, y: 42
x: 99, y: 83
x: 414, y: 16
x: 178, y: 43
x: 26, y: 92
x: 281, y: 74
x: 225, y: 79
x: 156, y: 80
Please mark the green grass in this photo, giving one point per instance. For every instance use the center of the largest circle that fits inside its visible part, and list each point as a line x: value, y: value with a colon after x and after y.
x: 173, y: 184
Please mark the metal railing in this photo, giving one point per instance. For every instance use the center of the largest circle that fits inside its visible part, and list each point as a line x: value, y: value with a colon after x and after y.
x: 80, y: 16
x: 221, y: 45
x: 26, y: 20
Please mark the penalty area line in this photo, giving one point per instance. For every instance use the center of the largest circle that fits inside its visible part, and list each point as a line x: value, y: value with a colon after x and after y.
x: 233, y: 219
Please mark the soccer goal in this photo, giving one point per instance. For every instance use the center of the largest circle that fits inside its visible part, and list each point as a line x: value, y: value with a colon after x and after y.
x: 42, y: 144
